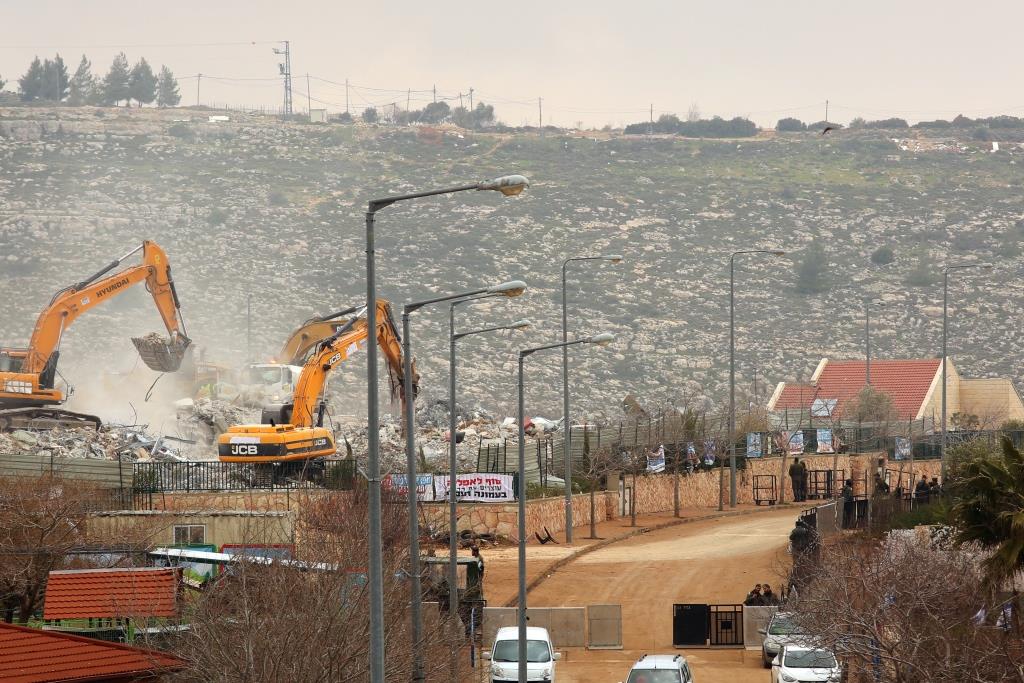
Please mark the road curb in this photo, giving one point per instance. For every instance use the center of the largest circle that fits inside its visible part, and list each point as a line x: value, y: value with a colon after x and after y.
x: 604, y: 543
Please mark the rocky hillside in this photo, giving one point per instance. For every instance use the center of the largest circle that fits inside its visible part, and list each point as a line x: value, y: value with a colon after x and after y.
x: 256, y: 207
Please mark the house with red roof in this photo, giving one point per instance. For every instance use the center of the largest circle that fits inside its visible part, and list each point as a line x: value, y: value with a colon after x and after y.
x: 914, y: 385
x: 29, y: 655
x: 112, y: 603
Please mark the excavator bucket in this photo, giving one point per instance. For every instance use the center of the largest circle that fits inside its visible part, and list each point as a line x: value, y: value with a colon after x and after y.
x: 162, y: 355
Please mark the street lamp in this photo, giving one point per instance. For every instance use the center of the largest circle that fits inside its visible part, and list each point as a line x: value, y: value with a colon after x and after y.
x: 602, y: 339
x: 566, y: 422
x: 508, y: 186
x: 945, y: 306
x: 510, y: 289
x: 867, y: 336
x: 732, y: 367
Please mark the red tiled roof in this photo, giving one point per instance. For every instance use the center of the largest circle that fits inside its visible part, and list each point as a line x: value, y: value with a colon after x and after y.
x: 906, y: 381
x: 28, y: 655
x: 111, y: 593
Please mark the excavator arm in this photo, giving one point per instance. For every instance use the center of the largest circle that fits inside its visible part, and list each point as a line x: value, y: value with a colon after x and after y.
x: 296, y: 348
x: 73, y: 301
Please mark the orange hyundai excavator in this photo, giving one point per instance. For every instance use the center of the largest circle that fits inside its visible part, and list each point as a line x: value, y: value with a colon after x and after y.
x: 294, y: 432
x: 27, y: 376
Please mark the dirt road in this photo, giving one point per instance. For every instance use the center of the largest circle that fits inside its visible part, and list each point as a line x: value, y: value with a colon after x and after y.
x: 713, y: 561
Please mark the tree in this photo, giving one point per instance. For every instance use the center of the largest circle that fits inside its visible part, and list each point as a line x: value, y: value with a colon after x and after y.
x: 55, y: 80
x: 435, y: 112
x: 142, y: 83
x: 924, y: 272
x: 31, y: 84
x: 370, y: 115
x: 873, y: 407
x: 693, y: 113
x: 167, y: 94
x: 790, y: 125
x: 858, y: 123
x: 82, y: 88
x: 2, y: 83
x: 812, y: 274
x: 882, y: 256
x: 116, y: 83
x: 990, y: 510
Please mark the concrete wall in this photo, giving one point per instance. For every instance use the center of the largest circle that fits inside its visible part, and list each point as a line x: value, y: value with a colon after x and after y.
x: 755, y: 618
x: 103, y: 472
x: 993, y: 400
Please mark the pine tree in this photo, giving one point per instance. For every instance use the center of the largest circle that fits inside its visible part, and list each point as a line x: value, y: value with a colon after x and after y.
x: 115, y: 84
x: 32, y: 82
x: 167, y: 89
x: 2, y: 83
x: 82, y: 88
x: 142, y: 83
x: 55, y: 80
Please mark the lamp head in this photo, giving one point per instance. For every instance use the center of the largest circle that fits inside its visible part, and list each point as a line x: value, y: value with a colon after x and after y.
x: 509, y: 289
x: 508, y: 185
x: 777, y: 252
x: 614, y: 258
x: 520, y: 325
x: 602, y: 339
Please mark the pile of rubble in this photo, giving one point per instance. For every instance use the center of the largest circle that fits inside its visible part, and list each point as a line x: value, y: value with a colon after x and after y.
x: 129, y: 444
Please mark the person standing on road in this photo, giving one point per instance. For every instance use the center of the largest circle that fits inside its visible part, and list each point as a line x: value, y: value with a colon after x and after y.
x: 803, y: 481
x: 848, y: 504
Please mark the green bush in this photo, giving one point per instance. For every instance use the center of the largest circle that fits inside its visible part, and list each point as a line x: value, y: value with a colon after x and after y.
x: 217, y: 217
x: 278, y: 198
x: 181, y: 131
x: 884, y: 255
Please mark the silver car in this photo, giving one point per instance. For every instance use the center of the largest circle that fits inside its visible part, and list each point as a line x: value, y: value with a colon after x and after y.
x: 781, y: 630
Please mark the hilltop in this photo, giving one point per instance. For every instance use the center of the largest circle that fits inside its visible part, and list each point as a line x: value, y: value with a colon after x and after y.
x: 256, y: 206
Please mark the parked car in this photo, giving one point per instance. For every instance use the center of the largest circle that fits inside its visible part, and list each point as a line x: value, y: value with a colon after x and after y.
x: 781, y: 630
x: 661, y: 669
x: 798, y: 664
x: 540, y: 655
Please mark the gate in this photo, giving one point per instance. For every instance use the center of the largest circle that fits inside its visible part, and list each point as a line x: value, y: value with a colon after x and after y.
x: 764, y: 489
x: 824, y: 484
x: 689, y: 625
x: 726, y: 624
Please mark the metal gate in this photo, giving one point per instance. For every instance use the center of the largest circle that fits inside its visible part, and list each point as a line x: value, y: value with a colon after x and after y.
x: 726, y: 625
x: 689, y: 625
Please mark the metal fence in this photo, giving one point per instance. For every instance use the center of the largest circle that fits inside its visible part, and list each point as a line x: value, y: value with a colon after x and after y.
x: 165, y: 477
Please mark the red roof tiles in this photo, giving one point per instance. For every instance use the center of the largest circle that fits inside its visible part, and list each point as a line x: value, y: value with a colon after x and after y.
x: 111, y: 593
x: 28, y: 655
x: 906, y: 381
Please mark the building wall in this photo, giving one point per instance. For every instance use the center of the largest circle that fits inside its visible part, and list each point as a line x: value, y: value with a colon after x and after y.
x: 222, y: 527
x: 993, y: 400
x: 933, y: 404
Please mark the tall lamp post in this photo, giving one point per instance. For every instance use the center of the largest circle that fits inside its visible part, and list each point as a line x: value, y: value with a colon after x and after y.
x: 732, y: 363
x: 566, y: 422
x: 868, y: 301
x: 945, y: 319
x: 602, y: 339
x: 513, y: 288
x: 508, y: 185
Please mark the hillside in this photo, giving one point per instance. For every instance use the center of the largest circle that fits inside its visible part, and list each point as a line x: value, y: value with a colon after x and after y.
x: 254, y: 206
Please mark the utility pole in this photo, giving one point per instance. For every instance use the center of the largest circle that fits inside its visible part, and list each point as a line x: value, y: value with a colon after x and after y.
x: 471, y: 99
x: 199, y: 81
x: 309, y: 99
x: 540, y: 115
x: 650, y: 126
x: 408, y: 98
x: 460, y: 101
x: 435, y: 93
x: 285, y: 69
x: 346, y: 96
x: 826, y: 111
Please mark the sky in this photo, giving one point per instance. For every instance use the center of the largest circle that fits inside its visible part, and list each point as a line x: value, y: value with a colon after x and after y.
x: 597, y: 62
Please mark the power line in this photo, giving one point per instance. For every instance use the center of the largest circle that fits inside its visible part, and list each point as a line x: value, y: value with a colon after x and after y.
x: 115, y: 46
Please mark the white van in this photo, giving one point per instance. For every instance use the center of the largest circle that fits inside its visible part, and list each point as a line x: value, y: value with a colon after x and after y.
x: 540, y: 655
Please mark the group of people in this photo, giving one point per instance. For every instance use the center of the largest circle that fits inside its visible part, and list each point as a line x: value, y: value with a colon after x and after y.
x: 761, y: 595
x: 798, y: 476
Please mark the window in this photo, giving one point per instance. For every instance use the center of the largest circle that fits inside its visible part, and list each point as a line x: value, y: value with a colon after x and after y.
x: 823, y: 407
x: 810, y: 659
x: 189, y: 534
x: 654, y: 676
x: 508, y: 651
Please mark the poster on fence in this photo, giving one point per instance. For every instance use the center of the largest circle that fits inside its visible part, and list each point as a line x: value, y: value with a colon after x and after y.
x: 709, y: 452
x: 902, y: 451
x: 796, y: 443
x: 399, y: 485
x: 825, y: 441
x: 656, y: 460
x: 754, y: 445
x: 486, y: 487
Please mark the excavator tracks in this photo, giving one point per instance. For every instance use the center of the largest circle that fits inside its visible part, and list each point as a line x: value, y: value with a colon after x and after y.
x: 46, y: 418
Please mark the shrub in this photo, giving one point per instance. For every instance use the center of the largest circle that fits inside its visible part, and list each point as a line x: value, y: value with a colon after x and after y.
x: 278, y: 198
x: 790, y: 125
x: 884, y: 255
x: 181, y: 130
x: 217, y: 217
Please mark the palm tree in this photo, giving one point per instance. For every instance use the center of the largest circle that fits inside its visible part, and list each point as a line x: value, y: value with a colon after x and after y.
x: 990, y: 510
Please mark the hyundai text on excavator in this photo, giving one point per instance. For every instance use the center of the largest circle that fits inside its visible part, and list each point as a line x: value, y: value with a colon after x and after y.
x: 28, y: 375
x: 294, y: 432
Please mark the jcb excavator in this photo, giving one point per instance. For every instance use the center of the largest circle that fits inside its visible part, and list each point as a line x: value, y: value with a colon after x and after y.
x: 298, y: 345
x: 294, y: 432
x: 27, y: 376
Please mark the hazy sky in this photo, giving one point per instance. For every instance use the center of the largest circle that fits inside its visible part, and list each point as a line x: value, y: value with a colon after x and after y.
x: 597, y: 62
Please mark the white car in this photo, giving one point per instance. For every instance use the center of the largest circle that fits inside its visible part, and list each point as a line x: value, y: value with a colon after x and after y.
x: 781, y: 630
x: 661, y: 669
x: 796, y: 664
x: 540, y: 655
